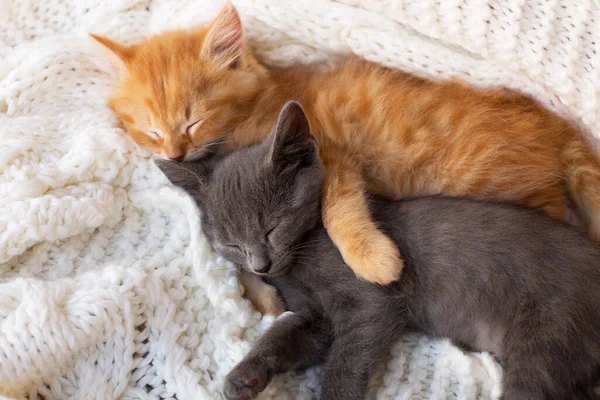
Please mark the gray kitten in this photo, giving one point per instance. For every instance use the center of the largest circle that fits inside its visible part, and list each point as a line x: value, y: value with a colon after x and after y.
x: 489, y: 276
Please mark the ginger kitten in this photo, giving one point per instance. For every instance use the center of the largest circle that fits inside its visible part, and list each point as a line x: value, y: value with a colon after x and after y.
x: 189, y: 93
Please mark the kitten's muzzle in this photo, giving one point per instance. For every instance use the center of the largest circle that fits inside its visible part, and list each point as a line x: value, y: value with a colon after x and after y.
x: 264, y: 264
x: 260, y: 265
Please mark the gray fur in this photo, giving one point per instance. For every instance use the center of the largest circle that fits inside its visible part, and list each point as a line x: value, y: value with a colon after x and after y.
x: 489, y: 276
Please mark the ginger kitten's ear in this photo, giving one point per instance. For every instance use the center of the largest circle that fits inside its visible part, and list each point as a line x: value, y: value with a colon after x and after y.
x: 190, y: 176
x: 293, y: 144
x: 125, y: 53
x: 225, y: 38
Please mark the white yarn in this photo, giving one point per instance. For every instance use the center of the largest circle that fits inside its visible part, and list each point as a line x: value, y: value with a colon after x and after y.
x: 108, y: 288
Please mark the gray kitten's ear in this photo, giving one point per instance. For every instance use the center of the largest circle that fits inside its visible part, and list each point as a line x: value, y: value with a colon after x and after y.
x: 293, y: 144
x: 190, y: 176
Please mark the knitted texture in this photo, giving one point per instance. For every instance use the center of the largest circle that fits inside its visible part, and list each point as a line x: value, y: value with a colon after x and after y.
x: 109, y: 289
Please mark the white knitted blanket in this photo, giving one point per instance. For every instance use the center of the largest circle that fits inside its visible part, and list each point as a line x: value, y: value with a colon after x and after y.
x: 108, y: 288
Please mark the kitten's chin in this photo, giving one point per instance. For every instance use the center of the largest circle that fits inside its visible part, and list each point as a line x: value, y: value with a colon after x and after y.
x: 213, y: 146
x: 276, y: 270
x: 158, y: 156
x: 197, y: 155
x: 280, y: 268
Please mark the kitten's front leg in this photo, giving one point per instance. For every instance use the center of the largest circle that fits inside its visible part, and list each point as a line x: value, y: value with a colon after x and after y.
x: 263, y: 296
x: 351, y: 359
x: 294, y: 342
x: 368, y: 251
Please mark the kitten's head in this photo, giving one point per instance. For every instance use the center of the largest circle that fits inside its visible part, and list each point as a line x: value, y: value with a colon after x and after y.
x: 182, y: 91
x: 258, y: 203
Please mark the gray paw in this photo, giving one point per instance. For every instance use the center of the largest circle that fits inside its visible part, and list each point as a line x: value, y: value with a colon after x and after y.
x: 251, y: 376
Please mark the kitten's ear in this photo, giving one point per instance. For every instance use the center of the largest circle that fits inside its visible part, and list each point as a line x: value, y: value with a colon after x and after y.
x: 225, y: 38
x: 293, y: 143
x: 190, y: 176
x: 125, y: 53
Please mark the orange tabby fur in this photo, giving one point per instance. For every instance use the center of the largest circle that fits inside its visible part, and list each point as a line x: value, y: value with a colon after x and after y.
x: 378, y: 130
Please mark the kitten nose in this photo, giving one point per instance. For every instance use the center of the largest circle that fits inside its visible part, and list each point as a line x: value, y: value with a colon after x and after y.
x: 177, y: 159
x: 263, y: 267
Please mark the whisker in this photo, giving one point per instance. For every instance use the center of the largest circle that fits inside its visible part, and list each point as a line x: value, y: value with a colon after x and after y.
x: 303, y: 257
x: 304, y: 244
x: 210, y: 122
x: 216, y: 98
x: 220, y: 269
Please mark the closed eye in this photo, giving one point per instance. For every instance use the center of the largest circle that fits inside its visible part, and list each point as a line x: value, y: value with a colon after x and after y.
x: 232, y: 252
x: 154, y: 133
x: 193, y: 127
x: 233, y: 247
x: 271, y: 235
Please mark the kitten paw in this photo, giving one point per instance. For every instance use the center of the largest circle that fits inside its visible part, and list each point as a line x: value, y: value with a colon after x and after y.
x: 374, y: 258
x: 270, y: 302
x: 251, y: 376
x: 263, y: 297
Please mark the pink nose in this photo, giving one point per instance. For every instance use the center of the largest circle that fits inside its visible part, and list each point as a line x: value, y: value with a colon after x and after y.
x: 177, y: 159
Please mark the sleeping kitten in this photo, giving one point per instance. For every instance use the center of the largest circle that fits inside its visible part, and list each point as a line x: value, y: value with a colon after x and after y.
x: 187, y: 94
x: 494, y: 277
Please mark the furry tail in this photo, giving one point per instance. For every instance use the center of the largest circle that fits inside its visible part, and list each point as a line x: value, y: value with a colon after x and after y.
x: 582, y: 165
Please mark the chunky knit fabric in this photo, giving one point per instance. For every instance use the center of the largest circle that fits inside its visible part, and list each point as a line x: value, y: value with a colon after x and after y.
x: 108, y: 288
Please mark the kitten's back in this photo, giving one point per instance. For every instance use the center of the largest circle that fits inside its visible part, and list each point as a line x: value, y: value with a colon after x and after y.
x: 497, y: 277
x: 504, y: 279
x: 521, y: 240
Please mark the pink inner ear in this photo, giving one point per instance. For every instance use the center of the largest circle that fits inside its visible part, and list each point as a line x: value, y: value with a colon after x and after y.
x: 226, y: 36
x: 230, y: 42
